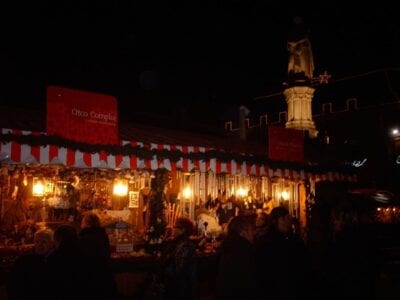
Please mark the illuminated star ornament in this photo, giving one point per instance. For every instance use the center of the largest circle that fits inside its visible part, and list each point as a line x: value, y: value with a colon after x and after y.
x: 324, y: 78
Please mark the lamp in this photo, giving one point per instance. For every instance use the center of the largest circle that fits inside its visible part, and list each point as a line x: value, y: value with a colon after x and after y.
x: 241, y: 192
x: 187, y: 192
x: 37, y: 187
x: 285, y: 195
x: 120, y: 187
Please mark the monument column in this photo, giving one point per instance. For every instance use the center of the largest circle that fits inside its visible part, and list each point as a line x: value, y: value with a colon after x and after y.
x: 299, y: 92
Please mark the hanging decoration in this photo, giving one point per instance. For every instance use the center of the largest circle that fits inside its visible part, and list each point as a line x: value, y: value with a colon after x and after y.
x: 146, y: 153
x: 157, y: 198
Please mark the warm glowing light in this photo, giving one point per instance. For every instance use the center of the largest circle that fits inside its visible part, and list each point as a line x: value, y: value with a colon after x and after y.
x: 241, y: 192
x: 38, y: 188
x: 120, y: 188
x: 187, y: 192
x: 285, y: 195
x: 378, y: 209
x: 395, y: 131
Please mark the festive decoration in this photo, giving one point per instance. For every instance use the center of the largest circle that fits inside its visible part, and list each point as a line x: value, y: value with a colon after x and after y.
x: 146, y: 153
x: 157, y: 217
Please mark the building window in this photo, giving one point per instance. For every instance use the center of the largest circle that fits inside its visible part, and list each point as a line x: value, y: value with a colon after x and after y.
x: 327, y: 107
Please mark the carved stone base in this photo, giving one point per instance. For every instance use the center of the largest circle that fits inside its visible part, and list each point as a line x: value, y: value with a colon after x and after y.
x: 299, y: 115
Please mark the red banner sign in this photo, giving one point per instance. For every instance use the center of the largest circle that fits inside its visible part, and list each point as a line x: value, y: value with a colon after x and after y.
x: 82, y: 116
x: 285, y: 144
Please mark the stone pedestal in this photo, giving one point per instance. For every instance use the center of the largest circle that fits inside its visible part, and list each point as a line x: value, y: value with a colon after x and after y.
x: 299, y: 114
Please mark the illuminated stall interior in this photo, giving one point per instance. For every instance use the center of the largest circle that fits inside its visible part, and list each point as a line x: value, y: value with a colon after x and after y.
x: 52, y: 188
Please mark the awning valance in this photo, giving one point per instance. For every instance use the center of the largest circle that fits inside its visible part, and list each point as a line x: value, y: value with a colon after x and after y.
x: 14, y: 151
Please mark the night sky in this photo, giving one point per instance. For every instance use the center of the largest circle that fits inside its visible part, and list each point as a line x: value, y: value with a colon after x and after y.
x: 170, y: 58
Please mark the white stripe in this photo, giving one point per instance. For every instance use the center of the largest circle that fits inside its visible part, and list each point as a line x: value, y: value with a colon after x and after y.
x: 26, y: 153
x: 96, y: 160
x: 62, y: 155
x: 44, y: 154
x: 154, y: 161
x: 125, y: 163
x: 6, y: 149
x: 6, y: 131
x: 213, y: 165
x: 262, y: 170
x: 190, y: 162
x: 111, y: 161
x: 243, y: 168
x: 234, y: 167
x: 79, y: 163
x: 253, y: 170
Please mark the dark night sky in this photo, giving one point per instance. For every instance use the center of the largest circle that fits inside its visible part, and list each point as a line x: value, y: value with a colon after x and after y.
x: 167, y: 57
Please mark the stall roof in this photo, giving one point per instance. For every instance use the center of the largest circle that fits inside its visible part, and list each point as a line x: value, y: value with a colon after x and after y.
x: 149, y: 147
x: 36, y: 121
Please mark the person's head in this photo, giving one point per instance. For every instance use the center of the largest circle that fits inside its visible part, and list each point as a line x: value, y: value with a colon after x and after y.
x: 65, y: 234
x: 90, y: 219
x: 280, y: 220
x: 43, y: 241
x: 183, y: 227
x: 261, y: 219
x: 243, y: 226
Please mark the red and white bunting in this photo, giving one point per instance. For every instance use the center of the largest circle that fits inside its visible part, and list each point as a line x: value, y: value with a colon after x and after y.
x: 15, y: 153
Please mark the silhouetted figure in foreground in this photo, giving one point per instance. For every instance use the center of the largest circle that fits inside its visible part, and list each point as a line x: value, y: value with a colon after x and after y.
x: 282, y: 259
x: 96, y: 247
x: 351, y: 263
x: 68, y: 266
x: 236, y: 277
x: 180, y: 264
x: 29, y: 276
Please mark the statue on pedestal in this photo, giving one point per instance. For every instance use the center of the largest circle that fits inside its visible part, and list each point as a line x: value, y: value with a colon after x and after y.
x: 301, y: 61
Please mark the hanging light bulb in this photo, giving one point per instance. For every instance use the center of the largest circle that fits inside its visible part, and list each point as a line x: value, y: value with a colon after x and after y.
x: 120, y: 188
x: 285, y: 195
x: 187, y: 192
x: 37, y: 188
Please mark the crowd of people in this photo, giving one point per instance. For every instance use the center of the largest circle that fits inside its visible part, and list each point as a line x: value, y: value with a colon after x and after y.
x: 260, y: 254
x: 263, y: 256
x: 65, y: 264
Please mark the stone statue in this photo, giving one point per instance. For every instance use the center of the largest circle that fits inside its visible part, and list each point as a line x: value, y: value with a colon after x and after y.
x: 301, y: 61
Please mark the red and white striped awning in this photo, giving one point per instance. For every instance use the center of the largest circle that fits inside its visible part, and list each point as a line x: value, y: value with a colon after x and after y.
x: 13, y: 152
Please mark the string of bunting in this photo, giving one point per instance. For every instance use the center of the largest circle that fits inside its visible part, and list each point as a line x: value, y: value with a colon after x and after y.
x: 174, y: 155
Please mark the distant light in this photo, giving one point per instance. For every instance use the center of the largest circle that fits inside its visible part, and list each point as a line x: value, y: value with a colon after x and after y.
x: 395, y: 131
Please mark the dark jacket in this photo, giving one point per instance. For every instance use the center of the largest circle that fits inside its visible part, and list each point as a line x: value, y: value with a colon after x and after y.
x: 95, y: 245
x: 180, y: 270
x: 69, y: 272
x: 236, y: 277
x: 283, y: 266
x: 351, y: 265
x: 29, y: 278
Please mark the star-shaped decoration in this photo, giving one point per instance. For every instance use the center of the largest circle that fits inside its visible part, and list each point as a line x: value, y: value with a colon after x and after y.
x: 324, y: 78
